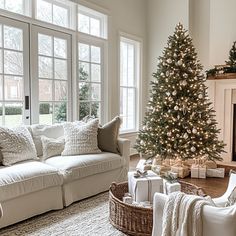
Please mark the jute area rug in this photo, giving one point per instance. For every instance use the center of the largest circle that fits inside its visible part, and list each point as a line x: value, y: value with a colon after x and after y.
x: 85, y: 218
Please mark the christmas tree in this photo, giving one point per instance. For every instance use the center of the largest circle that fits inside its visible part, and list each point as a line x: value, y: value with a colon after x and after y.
x: 232, y: 59
x: 179, y: 121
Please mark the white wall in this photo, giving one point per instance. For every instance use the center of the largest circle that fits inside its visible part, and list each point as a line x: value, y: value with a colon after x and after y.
x: 222, y: 30
x: 212, y: 26
x: 199, y: 28
x: 162, y: 17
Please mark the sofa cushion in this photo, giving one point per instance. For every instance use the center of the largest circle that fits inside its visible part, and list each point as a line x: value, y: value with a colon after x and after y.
x: 27, y: 177
x: 77, y: 167
x: 50, y: 131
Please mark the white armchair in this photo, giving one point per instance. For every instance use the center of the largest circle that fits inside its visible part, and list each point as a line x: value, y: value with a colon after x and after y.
x: 217, y: 221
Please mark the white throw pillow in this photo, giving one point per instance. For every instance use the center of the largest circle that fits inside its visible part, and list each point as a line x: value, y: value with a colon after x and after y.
x: 50, y: 131
x: 52, y: 147
x: 16, y: 145
x: 81, y: 139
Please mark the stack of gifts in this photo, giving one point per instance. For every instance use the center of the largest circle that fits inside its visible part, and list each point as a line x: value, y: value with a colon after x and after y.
x: 142, y: 188
x: 181, y: 168
x: 198, y: 168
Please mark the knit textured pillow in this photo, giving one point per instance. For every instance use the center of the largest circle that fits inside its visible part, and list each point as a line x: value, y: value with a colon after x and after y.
x: 52, y: 147
x: 16, y: 145
x: 81, y: 139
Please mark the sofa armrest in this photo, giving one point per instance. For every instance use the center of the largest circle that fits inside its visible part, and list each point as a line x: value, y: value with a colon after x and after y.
x: 219, y: 221
x: 124, y: 148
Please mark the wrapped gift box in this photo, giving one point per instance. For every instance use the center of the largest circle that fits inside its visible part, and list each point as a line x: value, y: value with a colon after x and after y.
x: 169, y: 187
x: 160, y: 169
x: 142, y: 189
x: 218, y: 173
x: 198, y: 172
x: 182, y: 171
x: 143, y: 165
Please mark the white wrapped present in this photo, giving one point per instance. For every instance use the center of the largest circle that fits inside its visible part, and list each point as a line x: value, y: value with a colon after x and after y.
x: 198, y: 172
x: 143, y: 188
x: 143, y: 165
x: 169, y: 187
x: 218, y: 172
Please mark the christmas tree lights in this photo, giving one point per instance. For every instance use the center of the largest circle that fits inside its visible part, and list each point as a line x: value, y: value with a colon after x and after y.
x: 179, y: 121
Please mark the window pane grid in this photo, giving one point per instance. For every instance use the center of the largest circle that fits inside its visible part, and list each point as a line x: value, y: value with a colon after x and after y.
x: 89, y: 80
x: 11, y: 75
x: 128, y: 85
x: 53, y: 97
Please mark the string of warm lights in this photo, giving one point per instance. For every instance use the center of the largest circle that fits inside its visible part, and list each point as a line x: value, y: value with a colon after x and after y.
x: 179, y: 121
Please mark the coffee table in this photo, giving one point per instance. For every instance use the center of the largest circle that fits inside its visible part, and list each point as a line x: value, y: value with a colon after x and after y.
x: 136, y: 220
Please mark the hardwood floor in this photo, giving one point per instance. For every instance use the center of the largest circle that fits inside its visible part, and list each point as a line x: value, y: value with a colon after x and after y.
x: 214, y: 187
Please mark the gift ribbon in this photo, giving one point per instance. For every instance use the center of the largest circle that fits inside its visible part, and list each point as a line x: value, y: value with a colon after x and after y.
x: 149, y: 189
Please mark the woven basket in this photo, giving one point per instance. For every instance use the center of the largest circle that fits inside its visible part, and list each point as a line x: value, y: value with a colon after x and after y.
x: 134, y: 220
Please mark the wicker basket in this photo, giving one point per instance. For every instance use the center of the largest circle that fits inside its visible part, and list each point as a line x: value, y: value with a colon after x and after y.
x: 134, y: 220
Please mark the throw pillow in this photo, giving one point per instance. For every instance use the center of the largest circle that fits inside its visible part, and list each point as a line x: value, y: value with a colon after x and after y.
x: 52, y: 147
x: 50, y: 131
x: 16, y: 145
x: 81, y: 139
x: 232, y: 198
x: 108, y: 135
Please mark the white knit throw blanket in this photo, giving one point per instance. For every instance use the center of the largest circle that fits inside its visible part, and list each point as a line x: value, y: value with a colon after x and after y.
x: 182, y: 215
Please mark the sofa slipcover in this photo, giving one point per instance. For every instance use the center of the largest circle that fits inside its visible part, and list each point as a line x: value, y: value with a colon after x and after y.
x: 27, y: 177
x: 77, y: 167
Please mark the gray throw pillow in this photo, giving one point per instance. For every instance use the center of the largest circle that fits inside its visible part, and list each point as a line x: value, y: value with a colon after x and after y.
x: 108, y: 135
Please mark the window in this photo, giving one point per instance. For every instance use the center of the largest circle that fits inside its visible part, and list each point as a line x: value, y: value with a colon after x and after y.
x: 53, y: 73
x: 16, y: 6
x: 55, y: 12
x: 41, y: 90
x: 92, y: 22
x: 129, y: 77
x: 13, y: 76
x: 90, y: 79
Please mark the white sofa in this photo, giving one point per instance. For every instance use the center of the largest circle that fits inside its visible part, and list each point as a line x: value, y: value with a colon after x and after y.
x: 33, y: 187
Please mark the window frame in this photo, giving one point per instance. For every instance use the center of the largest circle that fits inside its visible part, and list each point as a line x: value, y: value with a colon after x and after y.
x: 25, y: 76
x: 75, y: 35
x: 94, y: 41
x: 35, y: 78
x: 91, y: 13
x: 137, y: 43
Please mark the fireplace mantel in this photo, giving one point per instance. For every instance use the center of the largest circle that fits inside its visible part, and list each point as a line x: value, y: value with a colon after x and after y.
x: 220, y: 92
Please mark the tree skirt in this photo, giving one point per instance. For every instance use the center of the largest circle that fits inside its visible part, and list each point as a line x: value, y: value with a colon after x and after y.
x: 85, y: 218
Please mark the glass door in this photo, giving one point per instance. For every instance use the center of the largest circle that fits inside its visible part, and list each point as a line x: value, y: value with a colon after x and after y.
x: 14, y: 73
x: 51, y: 80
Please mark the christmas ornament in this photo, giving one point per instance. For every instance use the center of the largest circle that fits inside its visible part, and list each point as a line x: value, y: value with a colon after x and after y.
x: 185, y: 136
x: 176, y: 108
x: 180, y: 62
x: 169, y: 61
x: 174, y: 93
x: 194, y: 131
x: 193, y: 149
x: 200, y: 96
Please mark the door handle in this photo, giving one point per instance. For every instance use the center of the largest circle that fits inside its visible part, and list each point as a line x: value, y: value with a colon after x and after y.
x: 26, y: 102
